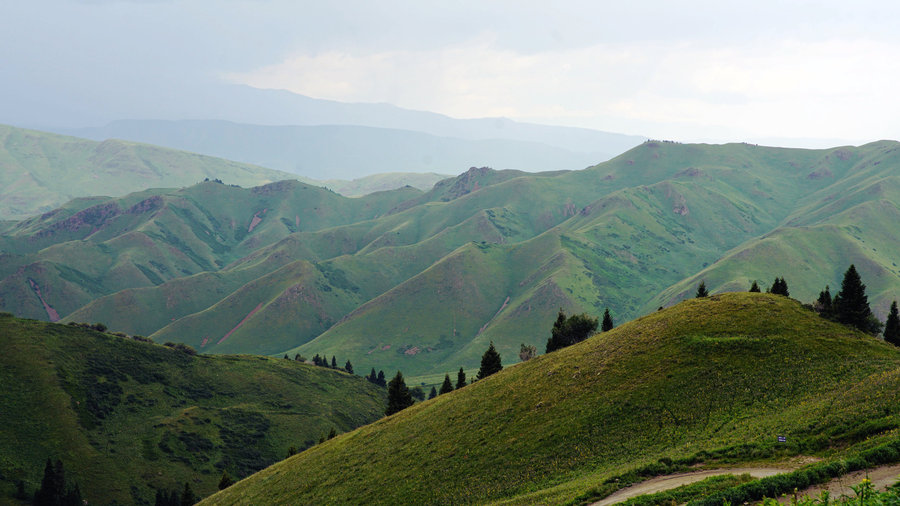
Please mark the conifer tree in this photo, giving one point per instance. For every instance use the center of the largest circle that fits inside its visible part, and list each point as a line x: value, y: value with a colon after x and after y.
x: 380, y: 381
x: 333, y: 362
x: 490, y: 363
x: 701, y: 290
x: 332, y: 433
x: 892, y: 326
x: 226, y: 480
x: 373, y: 377
x: 399, y: 397
x: 348, y: 367
x: 460, y: 378
x: 53, y: 485
x: 188, y: 498
x: 851, y: 304
x: 571, y: 330
x: 433, y: 393
x: 824, y: 303
x: 607, y: 321
x: 779, y: 287
x: 754, y: 288
x: 446, y: 387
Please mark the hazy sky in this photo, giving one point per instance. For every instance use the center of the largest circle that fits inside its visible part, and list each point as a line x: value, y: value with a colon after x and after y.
x: 687, y: 70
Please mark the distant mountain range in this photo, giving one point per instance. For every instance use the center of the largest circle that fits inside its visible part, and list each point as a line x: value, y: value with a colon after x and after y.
x: 423, y: 281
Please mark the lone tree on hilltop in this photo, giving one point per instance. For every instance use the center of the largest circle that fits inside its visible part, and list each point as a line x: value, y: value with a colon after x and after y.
x: 399, y: 397
x: 607, y: 321
x: 460, y: 378
x: 754, y: 288
x: 446, y: 387
x: 851, y: 304
x: 779, y: 287
x: 701, y: 290
x: 892, y: 326
x: 490, y: 363
x: 571, y: 330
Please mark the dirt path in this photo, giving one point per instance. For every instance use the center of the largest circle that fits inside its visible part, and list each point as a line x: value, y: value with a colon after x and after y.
x: 671, y: 481
x: 881, y: 477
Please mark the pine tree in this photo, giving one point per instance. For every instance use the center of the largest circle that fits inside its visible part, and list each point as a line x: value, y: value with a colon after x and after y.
x: 701, y: 290
x: 779, y: 287
x: 348, y: 367
x: 226, y: 480
x: 571, y: 330
x: 188, y: 498
x: 373, y: 377
x: 851, y: 304
x: 607, y: 321
x: 380, y: 380
x: 399, y: 397
x: 892, y: 326
x: 446, y: 387
x: 754, y: 288
x: 53, y: 485
x: 332, y: 433
x: 490, y: 363
x: 433, y: 393
x: 317, y: 360
x: 460, y: 378
x: 333, y: 362
x: 824, y: 302
x: 292, y: 451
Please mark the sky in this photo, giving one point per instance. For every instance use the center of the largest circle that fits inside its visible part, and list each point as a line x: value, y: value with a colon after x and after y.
x: 817, y: 73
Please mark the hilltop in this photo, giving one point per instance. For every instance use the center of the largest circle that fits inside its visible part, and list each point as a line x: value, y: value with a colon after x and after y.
x: 127, y: 417
x: 707, y: 381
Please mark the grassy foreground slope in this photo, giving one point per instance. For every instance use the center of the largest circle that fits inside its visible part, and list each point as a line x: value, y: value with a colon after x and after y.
x: 727, y: 372
x: 128, y: 417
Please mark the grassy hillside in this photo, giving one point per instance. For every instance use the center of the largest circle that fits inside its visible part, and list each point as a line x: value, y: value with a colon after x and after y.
x: 128, y: 417
x: 716, y: 379
x: 40, y: 171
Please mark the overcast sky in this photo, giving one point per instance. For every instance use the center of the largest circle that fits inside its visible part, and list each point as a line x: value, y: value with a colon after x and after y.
x: 689, y: 70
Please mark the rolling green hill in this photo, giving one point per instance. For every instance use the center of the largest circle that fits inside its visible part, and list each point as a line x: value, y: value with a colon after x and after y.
x: 40, y: 171
x: 127, y: 417
x: 422, y: 282
x: 708, y: 381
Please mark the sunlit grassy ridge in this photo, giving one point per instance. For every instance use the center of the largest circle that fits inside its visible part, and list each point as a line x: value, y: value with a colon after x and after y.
x: 734, y: 370
x: 128, y: 417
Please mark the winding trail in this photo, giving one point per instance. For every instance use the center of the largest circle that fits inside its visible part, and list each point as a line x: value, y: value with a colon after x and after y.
x: 671, y: 481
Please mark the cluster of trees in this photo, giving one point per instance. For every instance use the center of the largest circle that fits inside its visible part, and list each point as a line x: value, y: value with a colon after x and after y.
x: 54, y: 491
x: 400, y: 396
x: 378, y: 379
x: 323, y: 362
x: 187, y: 497
x: 573, y: 329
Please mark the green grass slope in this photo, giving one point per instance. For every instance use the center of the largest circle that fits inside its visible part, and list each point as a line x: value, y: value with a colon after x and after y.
x: 127, y: 417
x: 722, y: 375
x: 40, y: 171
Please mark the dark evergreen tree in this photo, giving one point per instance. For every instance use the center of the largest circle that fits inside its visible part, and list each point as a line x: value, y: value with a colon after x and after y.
x: 292, y: 451
x: 460, y: 378
x: 607, y: 321
x: 851, y: 304
x: 824, y: 303
x: 286, y: 357
x: 188, y: 498
x: 779, y: 287
x: 332, y: 433
x: 333, y: 362
x: 53, y: 485
x: 446, y: 387
x: 226, y: 480
x: 348, y: 367
x: 317, y: 360
x: 398, y: 395
x: 701, y: 290
x: 491, y: 363
x: 381, y: 381
x: 372, y: 376
x: 892, y: 326
x: 571, y: 330
x: 754, y: 288
x: 298, y: 357
x: 433, y: 393
x: 20, y: 491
